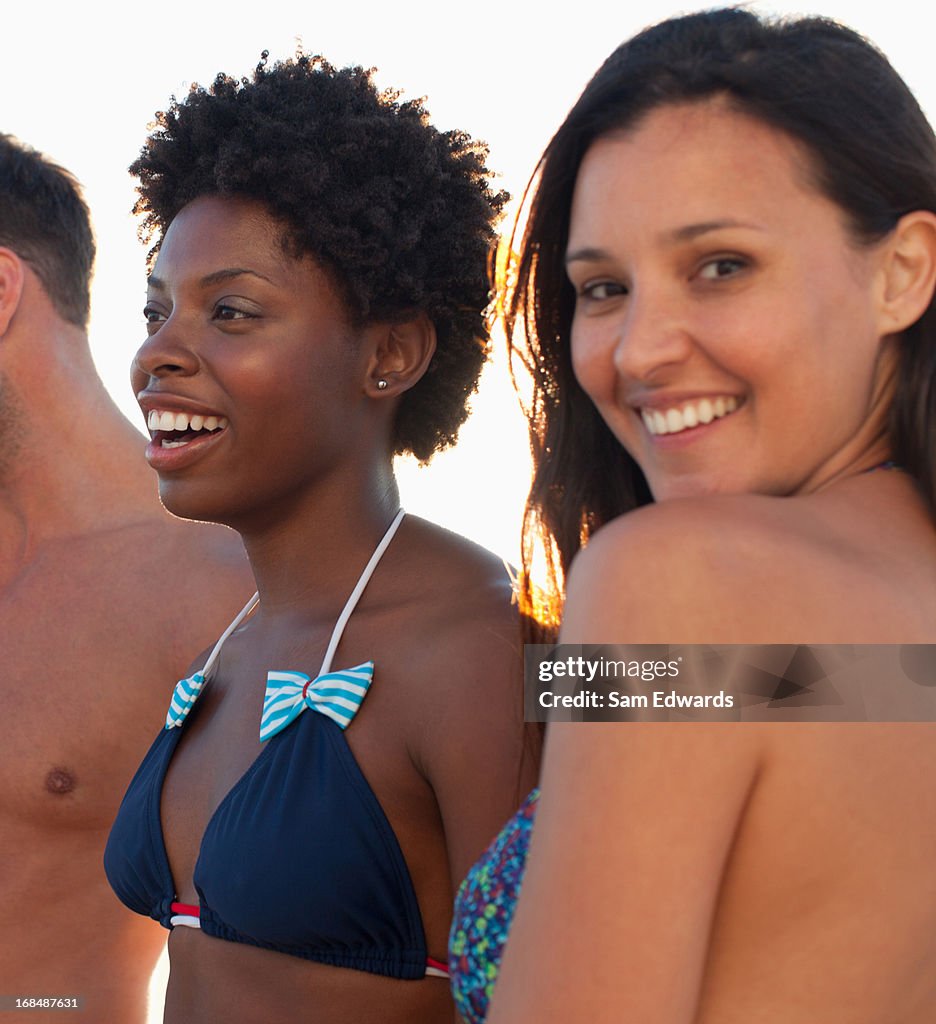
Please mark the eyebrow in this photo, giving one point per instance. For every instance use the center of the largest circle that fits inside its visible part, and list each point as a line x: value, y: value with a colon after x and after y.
x: 691, y: 231
x: 216, y: 277
x: 589, y: 254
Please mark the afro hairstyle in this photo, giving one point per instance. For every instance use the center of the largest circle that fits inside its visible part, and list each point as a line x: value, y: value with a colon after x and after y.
x: 401, y: 214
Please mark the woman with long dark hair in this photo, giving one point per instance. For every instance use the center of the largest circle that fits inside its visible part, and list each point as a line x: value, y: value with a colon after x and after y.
x: 726, y: 289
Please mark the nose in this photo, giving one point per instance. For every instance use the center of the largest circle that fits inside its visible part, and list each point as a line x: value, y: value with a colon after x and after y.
x: 652, y: 337
x: 163, y: 354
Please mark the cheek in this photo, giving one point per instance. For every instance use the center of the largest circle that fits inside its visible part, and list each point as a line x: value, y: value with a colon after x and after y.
x: 593, y: 362
x: 138, y: 379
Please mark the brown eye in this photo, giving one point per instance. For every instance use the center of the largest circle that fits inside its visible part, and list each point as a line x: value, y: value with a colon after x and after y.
x: 600, y: 290
x: 726, y: 266
x: 224, y: 312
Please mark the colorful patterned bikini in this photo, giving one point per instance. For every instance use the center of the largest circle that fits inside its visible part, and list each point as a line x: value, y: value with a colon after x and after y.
x: 484, y: 910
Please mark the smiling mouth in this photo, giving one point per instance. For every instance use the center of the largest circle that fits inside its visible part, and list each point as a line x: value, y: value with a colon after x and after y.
x: 176, y: 429
x: 688, y: 415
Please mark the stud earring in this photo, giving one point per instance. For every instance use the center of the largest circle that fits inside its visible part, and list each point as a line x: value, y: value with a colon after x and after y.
x: 382, y: 384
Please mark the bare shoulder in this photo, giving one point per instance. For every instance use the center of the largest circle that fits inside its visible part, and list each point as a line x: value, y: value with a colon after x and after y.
x: 681, y: 562
x: 466, y: 597
x: 747, y: 569
x: 185, y: 580
x: 693, y: 531
x: 465, y: 656
x: 209, y: 552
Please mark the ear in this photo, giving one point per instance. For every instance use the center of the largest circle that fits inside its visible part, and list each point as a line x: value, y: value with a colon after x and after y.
x: 12, y: 276
x: 909, y: 269
x: 401, y: 356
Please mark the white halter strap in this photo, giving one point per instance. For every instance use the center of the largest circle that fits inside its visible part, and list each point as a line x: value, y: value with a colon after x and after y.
x: 358, y: 590
x: 216, y: 650
x: 349, y: 607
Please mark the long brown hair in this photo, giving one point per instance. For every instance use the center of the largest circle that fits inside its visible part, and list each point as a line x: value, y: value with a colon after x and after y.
x: 874, y: 154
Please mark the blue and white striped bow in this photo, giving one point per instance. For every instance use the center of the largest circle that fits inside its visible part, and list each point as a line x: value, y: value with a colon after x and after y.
x: 184, y: 696
x: 288, y: 694
x: 336, y: 694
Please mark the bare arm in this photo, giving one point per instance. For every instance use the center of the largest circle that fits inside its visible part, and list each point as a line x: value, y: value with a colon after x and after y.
x: 477, y: 754
x: 635, y: 825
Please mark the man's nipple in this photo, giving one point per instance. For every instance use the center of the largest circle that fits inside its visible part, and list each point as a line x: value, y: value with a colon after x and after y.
x: 60, y: 781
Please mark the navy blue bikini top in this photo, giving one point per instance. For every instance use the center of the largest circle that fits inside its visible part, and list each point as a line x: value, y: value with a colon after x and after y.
x: 298, y: 857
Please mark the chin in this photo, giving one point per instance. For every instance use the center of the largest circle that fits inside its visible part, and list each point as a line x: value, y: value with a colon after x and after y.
x: 183, y: 504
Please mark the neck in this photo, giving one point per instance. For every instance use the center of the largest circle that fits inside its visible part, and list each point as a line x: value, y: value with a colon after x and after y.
x: 69, y: 461
x: 870, y: 446
x: 308, y: 559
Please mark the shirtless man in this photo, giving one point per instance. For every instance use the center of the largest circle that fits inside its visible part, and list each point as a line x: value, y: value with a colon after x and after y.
x: 104, y: 599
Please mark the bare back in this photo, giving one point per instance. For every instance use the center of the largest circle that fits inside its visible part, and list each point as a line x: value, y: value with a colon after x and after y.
x: 774, y: 872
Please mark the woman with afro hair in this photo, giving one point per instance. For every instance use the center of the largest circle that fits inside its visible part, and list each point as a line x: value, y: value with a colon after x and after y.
x: 316, y: 305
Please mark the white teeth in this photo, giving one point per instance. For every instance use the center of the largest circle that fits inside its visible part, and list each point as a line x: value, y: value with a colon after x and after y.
x: 164, y: 419
x: 689, y: 415
x: 173, y: 444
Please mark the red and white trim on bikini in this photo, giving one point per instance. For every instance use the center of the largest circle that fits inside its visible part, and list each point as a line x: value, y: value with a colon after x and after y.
x: 185, y: 914
x: 436, y: 969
